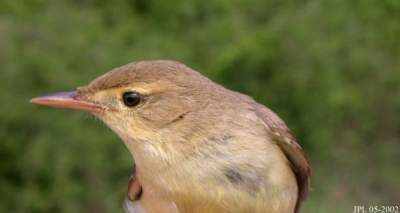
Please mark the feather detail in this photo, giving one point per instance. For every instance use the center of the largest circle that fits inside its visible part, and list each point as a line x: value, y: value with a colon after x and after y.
x: 281, y: 134
x: 132, y: 206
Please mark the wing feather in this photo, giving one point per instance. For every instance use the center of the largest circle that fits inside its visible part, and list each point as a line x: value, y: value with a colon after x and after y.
x: 281, y: 134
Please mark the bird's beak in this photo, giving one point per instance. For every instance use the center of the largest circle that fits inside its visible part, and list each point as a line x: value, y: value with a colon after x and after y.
x: 68, y: 100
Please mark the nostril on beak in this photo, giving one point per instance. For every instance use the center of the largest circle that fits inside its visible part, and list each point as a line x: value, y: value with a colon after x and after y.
x: 66, y: 100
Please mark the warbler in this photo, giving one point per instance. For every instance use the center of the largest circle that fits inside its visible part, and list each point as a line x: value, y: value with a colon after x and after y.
x: 197, y: 146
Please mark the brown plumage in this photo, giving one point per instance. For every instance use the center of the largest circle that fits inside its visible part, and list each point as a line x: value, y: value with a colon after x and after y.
x: 198, y: 146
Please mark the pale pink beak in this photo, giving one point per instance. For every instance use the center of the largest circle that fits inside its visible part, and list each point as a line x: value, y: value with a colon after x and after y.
x: 68, y: 100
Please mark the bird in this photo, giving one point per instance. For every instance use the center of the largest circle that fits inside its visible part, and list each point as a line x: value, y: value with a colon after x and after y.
x: 197, y: 146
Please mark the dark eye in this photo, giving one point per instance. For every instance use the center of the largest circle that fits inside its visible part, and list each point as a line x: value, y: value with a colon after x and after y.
x: 131, y: 99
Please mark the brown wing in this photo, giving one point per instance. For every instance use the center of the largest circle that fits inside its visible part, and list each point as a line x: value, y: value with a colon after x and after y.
x: 293, y: 151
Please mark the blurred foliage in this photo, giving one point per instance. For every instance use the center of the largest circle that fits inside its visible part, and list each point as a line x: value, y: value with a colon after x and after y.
x: 331, y: 69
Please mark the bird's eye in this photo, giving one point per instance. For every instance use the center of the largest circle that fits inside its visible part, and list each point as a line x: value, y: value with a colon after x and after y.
x: 131, y: 99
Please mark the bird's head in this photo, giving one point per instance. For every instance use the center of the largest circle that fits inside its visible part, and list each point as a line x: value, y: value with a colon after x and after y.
x: 140, y: 101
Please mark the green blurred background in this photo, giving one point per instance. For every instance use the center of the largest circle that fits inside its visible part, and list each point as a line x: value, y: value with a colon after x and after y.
x: 330, y: 69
